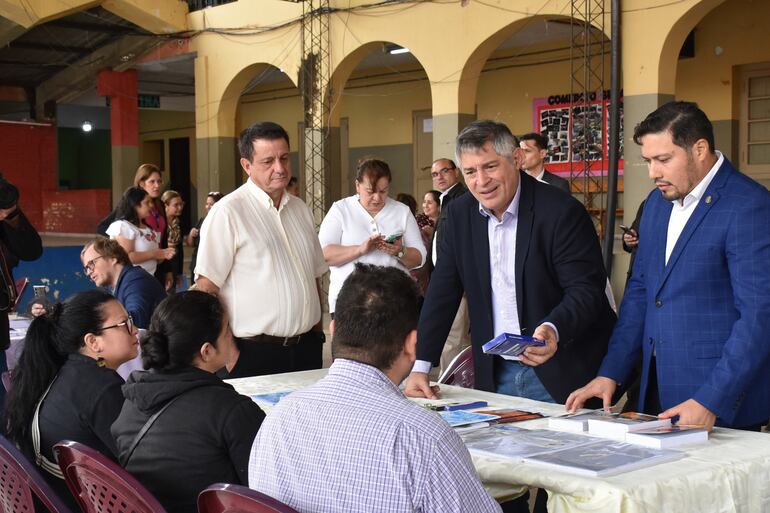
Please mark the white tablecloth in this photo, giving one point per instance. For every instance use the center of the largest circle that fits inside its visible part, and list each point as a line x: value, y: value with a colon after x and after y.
x: 729, y: 474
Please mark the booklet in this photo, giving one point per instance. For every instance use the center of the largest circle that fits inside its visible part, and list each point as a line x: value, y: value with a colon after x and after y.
x: 666, y: 437
x: 577, y: 422
x: 270, y: 399
x: 618, y: 424
x: 509, y: 415
x: 510, y: 346
x: 603, y: 458
x: 515, y: 443
x: 462, y: 417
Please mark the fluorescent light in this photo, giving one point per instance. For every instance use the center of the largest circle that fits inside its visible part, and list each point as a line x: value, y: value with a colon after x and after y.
x: 87, y: 126
x: 398, y: 50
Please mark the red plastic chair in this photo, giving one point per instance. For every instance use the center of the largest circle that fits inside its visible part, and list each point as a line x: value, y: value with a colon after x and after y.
x: 460, y: 371
x: 101, y: 485
x: 19, y: 479
x: 229, y: 498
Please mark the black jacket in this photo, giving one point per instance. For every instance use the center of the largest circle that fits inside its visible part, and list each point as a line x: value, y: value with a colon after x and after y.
x: 556, y: 181
x: 455, y: 192
x: 203, y: 438
x: 560, y: 278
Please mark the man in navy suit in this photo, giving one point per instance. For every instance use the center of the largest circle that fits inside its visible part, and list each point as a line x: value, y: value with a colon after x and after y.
x: 528, y: 259
x: 697, y: 306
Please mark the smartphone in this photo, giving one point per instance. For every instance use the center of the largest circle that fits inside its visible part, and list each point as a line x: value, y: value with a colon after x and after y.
x: 392, y: 238
x: 626, y: 229
x: 40, y: 291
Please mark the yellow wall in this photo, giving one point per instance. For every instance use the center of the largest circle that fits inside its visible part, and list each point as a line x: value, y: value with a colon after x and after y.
x: 279, y: 103
x: 740, y: 28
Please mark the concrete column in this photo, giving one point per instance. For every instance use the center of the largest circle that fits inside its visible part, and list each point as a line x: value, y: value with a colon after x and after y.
x: 121, y: 88
x: 445, y: 130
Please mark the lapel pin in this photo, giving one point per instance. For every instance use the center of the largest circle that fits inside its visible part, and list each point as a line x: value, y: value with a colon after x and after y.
x: 708, y: 199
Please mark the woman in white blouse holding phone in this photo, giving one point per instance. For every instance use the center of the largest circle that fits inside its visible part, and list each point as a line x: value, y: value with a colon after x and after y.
x: 369, y: 227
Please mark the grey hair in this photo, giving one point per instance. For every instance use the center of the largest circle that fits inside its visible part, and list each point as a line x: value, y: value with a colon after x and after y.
x: 474, y: 136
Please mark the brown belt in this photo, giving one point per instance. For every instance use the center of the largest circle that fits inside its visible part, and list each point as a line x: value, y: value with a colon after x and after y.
x: 271, y: 339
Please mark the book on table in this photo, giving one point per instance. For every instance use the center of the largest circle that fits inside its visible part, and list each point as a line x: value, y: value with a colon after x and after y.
x: 510, y: 346
x: 602, y: 458
x: 577, y: 422
x: 666, y: 437
x: 617, y: 425
x: 510, y: 442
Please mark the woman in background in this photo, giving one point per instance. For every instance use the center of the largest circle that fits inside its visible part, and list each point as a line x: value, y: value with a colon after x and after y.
x: 426, y: 220
x: 174, y: 204
x: 148, y: 177
x: 369, y: 227
x: 194, y: 237
x: 64, y: 386
x: 205, y: 430
x: 139, y: 240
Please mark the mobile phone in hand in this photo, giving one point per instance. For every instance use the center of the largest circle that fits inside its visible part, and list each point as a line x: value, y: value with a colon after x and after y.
x: 626, y: 229
x: 392, y: 238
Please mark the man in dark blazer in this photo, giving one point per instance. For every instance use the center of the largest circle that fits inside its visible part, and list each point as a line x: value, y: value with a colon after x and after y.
x: 528, y: 258
x: 446, y: 179
x: 697, y: 306
x: 535, y: 148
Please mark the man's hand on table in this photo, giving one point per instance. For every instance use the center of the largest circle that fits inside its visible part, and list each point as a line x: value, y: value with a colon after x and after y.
x: 600, y: 387
x: 418, y: 385
x: 535, y: 356
x: 691, y: 413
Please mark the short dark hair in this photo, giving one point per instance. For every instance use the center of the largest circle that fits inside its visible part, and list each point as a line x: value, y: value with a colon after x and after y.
x: 180, y: 325
x: 265, y: 130
x: 373, y: 169
x: 474, y: 136
x: 540, y: 140
x: 375, y: 311
x: 126, y: 208
x: 292, y: 181
x: 108, y: 248
x: 452, y: 162
x: 684, y: 120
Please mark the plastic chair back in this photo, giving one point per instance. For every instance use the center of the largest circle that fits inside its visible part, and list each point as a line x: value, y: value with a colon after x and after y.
x: 229, y: 498
x: 101, y: 485
x: 460, y: 371
x: 19, y: 479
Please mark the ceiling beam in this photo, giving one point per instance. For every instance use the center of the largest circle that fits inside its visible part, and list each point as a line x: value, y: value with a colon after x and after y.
x: 30, y: 45
x: 80, y: 76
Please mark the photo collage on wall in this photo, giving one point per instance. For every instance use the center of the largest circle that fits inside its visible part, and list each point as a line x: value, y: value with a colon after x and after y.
x: 574, y: 131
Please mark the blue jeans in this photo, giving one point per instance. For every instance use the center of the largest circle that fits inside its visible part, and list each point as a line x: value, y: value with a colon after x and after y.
x: 514, y: 378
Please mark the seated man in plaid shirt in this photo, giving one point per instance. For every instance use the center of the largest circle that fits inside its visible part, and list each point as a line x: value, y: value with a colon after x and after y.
x: 352, y: 441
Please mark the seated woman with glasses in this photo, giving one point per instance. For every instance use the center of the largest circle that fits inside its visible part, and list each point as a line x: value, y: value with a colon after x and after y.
x: 64, y: 386
x: 182, y: 428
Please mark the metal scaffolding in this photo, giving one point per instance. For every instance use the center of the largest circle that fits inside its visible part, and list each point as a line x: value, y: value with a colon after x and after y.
x: 314, y: 84
x: 588, y: 48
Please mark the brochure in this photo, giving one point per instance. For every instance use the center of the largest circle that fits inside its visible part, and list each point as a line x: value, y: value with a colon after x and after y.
x: 510, y: 346
x: 462, y: 417
x: 270, y: 399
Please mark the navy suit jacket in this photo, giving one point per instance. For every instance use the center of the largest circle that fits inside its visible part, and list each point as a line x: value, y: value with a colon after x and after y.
x: 139, y: 293
x: 560, y: 278
x: 705, y: 314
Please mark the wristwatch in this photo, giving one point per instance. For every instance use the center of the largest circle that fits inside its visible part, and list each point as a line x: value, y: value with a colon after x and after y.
x: 400, y: 254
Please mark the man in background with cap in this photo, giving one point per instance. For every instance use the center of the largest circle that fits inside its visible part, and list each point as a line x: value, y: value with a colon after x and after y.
x: 18, y: 241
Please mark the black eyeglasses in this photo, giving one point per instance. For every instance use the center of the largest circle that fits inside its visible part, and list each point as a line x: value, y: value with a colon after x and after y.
x: 443, y: 170
x: 128, y: 323
x: 90, y: 264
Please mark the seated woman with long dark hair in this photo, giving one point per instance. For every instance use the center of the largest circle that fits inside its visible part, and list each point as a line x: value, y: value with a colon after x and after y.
x: 196, y: 429
x: 64, y: 386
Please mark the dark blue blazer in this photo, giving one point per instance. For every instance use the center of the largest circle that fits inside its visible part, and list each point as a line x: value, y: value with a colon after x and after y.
x: 560, y: 278
x: 705, y: 314
x: 139, y: 293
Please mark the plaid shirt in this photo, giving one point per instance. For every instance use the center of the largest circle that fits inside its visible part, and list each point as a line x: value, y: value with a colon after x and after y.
x: 352, y: 442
